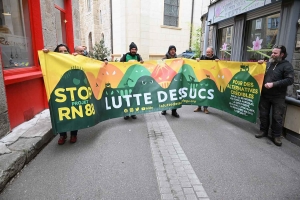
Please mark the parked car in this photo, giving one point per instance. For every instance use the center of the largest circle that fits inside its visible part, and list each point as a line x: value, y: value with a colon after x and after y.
x: 187, y: 54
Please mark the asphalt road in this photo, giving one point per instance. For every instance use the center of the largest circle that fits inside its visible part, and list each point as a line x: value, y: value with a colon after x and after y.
x: 113, y: 160
x: 233, y: 164
x: 109, y: 161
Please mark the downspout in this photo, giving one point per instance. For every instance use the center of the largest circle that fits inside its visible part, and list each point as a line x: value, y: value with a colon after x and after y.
x: 111, y: 31
x: 206, y: 34
x: 191, y: 30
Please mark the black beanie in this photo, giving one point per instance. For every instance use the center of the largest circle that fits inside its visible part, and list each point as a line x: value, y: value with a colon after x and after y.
x: 171, y: 47
x: 132, y: 45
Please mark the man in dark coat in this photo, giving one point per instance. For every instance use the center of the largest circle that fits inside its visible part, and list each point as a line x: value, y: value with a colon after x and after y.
x: 279, y: 74
x: 132, y: 55
x: 208, y: 56
x: 170, y: 55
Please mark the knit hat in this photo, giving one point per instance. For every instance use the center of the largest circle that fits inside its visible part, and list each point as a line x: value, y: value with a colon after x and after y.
x: 132, y: 45
x: 171, y: 47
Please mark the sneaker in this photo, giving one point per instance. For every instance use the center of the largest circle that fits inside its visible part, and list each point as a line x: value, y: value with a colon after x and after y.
x: 164, y: 112
x: 73, y: 138
x: 206, y: 111
x: 126, y: 117
x: 133, y: 116
x: 277, y: 141
x: 62, y: 140
x: 175, y: 114
x: 261, y: 134
x: 198, y: 109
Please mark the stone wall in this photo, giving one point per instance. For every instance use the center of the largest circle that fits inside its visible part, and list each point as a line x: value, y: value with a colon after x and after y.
x: 4, y: 121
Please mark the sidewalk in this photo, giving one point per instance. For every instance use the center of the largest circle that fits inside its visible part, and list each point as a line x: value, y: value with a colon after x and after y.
x: 21, y: 145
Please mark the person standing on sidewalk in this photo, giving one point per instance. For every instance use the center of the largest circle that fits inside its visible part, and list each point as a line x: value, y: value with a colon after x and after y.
x: 131, y: 56
x: 279, y: 74
x: 62, y: 48
x: 209, y: 56
x: 170, y: 55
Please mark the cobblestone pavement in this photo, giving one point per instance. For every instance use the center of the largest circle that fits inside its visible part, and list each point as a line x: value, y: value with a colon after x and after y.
x: 175, y: 175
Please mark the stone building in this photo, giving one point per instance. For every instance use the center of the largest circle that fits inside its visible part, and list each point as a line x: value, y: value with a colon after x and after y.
x: 26, y: 27
x: 152, y: 25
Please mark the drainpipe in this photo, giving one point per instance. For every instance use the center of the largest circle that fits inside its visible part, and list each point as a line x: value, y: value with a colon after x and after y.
x: 111, y: 30
x: 206, y: 34
x: 191, y: 30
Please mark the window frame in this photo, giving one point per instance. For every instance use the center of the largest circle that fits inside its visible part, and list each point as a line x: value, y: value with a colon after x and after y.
x: 17, y: 75
x: 164, y: 15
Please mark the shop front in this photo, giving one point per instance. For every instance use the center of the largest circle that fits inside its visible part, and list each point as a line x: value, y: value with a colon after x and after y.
x: 247, y: 30
x: 27, y: 26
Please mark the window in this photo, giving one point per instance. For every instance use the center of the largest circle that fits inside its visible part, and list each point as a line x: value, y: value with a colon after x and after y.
x: 226, y: 42
x: 171, y: 10
x: 273, y: 23
x: 15, y: 35
x: 88, y: 5
x: 260, y: 41
x: 258, y: 24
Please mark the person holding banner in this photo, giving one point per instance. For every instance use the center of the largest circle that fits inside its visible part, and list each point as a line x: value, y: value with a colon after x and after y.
x: 171, y: 54
x: 279, y: 74
x: 62, y: 48
x: 209, y: 56
x: 132, y: 56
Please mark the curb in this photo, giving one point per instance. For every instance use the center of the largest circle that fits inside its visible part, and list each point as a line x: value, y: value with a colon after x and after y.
x: 22, y: 144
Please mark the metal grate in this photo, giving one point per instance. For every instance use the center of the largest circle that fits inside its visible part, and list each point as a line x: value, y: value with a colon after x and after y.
x: 171, y: 8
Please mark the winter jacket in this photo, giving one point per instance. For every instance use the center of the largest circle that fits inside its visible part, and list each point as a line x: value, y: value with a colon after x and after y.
x: 204, y: 57
x: 282, y: 75
x: 168, y: 56
x: 123, y: 59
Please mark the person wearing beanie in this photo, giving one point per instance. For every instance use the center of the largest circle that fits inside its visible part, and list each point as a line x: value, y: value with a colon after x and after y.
x: 170, y: 55
x: 131, y: 56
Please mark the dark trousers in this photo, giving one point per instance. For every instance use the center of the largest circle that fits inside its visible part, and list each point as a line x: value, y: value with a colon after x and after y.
x: 205, y: 107
x: 278, y: 108
x: 65, y: 133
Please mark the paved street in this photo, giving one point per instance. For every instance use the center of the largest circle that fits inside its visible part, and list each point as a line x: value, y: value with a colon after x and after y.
x: 213, y: 156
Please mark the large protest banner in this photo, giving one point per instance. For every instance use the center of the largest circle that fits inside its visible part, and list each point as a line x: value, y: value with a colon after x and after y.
x: 83, y: 92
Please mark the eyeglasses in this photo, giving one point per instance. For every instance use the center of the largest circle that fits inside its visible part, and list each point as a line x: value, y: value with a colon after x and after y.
x: 277, y: 46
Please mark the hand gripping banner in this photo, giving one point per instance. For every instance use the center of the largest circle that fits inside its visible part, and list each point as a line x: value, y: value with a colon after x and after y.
x: 82, y: 91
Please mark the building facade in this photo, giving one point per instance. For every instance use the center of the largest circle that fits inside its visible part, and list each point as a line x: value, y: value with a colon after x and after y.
x: 247, y: 31
x: 152, y: 25
x: 27, y: 26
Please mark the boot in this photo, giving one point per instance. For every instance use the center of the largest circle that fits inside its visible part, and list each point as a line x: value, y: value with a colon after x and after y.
x: 198, y: 109
x: 126, y: 117
x: 175, y: 114
x: 164, y: 112
x: 277, y: 141
x: 206, y: 111
x: 133, y: 116
x: 62, y: 140
x: 261, y: 134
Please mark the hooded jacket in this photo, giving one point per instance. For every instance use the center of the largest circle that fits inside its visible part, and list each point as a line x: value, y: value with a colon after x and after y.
x: 131, y: 46
x: 282, y: 75
x: 168, y: 56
